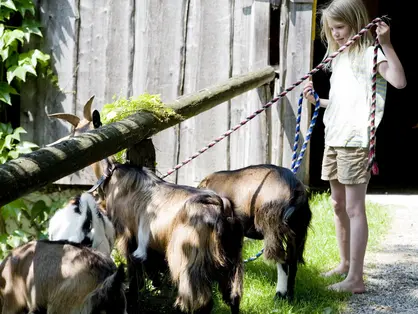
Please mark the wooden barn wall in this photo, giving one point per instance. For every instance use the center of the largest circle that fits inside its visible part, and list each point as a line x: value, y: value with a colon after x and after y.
x: 172, y: 48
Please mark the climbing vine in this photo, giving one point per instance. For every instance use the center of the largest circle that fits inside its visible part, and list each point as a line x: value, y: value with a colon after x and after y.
x: 22, y: 219
x: 18, y: 26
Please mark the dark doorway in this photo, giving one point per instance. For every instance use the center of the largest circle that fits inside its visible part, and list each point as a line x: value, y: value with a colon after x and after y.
x: 396, y: 136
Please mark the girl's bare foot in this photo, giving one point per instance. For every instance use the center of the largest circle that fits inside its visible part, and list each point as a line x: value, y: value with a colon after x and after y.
x: 339, y: 270
x: 348, y: 286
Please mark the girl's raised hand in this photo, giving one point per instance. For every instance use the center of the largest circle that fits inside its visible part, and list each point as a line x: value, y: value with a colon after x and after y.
x: 383, y: 33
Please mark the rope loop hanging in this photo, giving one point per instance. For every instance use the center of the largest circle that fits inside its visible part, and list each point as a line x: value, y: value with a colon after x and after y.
x: 372, y: 164
x: 297, y: 160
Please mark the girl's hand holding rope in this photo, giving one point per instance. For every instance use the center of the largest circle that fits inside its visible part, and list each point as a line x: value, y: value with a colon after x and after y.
x: 308, y: 94
x: 383, y: 33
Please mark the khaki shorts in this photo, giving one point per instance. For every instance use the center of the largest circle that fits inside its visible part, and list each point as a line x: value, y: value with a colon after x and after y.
x: 348, y: 165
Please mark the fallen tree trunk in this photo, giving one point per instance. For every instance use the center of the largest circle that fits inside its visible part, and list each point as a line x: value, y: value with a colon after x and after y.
x: 33, y: 171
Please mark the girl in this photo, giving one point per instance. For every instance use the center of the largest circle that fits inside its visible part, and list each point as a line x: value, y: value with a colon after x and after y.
x: 347, y: 126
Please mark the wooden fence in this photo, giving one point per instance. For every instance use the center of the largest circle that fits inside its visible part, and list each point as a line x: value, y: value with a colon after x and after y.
x: 173, y: 48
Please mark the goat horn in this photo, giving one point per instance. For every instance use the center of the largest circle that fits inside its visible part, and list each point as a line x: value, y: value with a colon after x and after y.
x: 87, y: 109
x: 58, y: 141
x: 71, y: 118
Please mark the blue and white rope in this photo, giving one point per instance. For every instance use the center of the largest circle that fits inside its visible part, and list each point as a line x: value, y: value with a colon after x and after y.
x: 296, y: 161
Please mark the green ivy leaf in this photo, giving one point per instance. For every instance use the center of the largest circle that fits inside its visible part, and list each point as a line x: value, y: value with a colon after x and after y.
x: 13, y: 36
x: 3, y: 238
x: 25, y: 147
x: 38, y: 209
x: 40, y: 56
x: 1, y: 29
x: 5, y: 13
x: 4, y: 53
x: 31, y: 27
x: 26, y: 5
x: 6, y: 128
x: 20, y: 72
x: 8, y: 51
x: 8, y: 142
x: 12, y: 209
x: 8, y: 4
x: 32, y: 57
x: 12, y: 60
x: 5, y: 91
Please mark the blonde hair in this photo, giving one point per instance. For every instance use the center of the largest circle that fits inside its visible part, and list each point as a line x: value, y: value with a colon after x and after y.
x: 350, y: 12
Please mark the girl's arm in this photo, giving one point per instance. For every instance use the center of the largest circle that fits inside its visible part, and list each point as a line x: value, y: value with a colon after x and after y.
x: 323, y: 102
x: 392, y: 69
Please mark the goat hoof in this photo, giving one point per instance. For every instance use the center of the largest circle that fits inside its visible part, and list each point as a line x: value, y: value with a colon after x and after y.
x: 283, y: 296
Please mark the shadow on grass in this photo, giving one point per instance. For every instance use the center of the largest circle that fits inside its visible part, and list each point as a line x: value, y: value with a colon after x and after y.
x: 311, y: 295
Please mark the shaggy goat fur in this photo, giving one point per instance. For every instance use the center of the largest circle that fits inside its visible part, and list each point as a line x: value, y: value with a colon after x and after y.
x: 272, y: 204
x: 60, y: 277
x: 81, y: 221
x: 192, y: 229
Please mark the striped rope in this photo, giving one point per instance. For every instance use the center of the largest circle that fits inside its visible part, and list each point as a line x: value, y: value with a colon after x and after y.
x: 274, y: 100
x: 372, y: 164
x: 296, y: 161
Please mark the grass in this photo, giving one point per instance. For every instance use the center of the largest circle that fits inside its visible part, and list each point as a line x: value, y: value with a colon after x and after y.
x: 321, y: 253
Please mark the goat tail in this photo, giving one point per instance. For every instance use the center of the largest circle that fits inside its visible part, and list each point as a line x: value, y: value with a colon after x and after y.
x: 284, y: 225
x: 230, y: 274
x: 190, y: 266
x: 269, y: 220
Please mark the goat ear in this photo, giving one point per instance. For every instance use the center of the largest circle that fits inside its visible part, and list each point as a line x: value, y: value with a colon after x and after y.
x: 97, y: 123
x: 87, y: 109
x: 71, y: 118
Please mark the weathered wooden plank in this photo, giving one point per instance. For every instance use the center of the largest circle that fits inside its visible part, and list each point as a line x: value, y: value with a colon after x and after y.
x: 104, y: 51
x: 32, y: 171
x: 256, y: 140
x: 158, y: 64
x: 298, y: 64
x: 104, y: 59
x: 208, y: 61
x: 59, y: 20
x: 241, y: 64
x: 277, y: 121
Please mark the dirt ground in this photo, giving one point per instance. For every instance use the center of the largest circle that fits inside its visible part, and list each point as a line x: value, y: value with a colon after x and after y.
x: 391, y: 273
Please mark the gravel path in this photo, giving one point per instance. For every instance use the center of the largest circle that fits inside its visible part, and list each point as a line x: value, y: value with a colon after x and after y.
x: 392, y: 273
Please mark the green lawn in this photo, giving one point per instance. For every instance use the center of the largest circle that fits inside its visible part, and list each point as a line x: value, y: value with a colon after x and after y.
x: 311, y: 295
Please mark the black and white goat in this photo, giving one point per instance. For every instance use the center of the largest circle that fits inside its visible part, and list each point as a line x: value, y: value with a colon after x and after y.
x: 81, y: 221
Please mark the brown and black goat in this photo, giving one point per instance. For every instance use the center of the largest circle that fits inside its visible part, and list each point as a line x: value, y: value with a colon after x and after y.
x: 60, y: 277
x: 272, y: 204
x: 194, y: 230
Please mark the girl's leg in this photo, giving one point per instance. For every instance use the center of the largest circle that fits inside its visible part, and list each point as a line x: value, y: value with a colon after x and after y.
x: 342, y: 227
x: 356, y: 210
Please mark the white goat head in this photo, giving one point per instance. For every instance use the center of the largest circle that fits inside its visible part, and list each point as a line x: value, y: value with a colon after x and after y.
x: 81, y: 221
